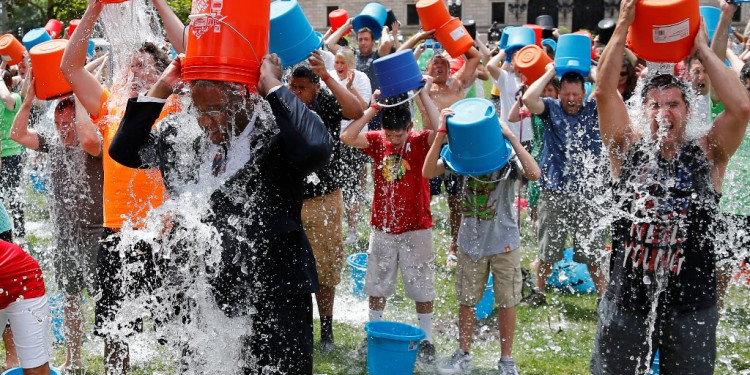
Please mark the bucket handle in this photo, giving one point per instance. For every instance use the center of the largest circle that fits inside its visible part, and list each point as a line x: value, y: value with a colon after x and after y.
x: 208, y: 15
x: 414, y: 95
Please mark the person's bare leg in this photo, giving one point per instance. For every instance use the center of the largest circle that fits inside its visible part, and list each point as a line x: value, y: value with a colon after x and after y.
x: 467, y: 319
x: 41, y: 370
x: 116, y: 357
x: 325, y: 297
x: 11, y: 356
x: 506, y: 319
x: 377, y: 303
x: 73, y: 332
x: 723, y: 279
x: 600, y: 281
x: 542, y: 273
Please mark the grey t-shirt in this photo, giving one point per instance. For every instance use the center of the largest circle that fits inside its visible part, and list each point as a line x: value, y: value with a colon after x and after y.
x: 364, y: 64
x: 77, y: 181
x: 488, y: 217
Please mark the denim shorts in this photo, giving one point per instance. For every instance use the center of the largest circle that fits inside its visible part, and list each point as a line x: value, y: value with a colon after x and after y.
x: 685, y: 338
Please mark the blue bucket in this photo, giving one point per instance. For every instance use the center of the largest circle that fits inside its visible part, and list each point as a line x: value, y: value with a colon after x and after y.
x: 290, y: 36
x: 711, y: 16
x: 476, y: 145
x: 519, y: 37
x: 392, y: 347
x: 358, y: 264
x: 573, y: 54
x: 487, y: 303
x: 504, y: 37
x: 571, y: 276
x: 57, y: 314
x: 655, y: 364
x: 19, y: 371
x: 372, y: 16
x: 34, y: 37
x: 91, y: 49
x: 397, y: 73
x: 551, y: 43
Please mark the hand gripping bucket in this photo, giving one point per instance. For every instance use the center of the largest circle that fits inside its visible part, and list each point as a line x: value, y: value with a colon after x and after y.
x: 392, y: 347
x: 573, y: 55
x: 531, y: 61
x: 476, y: 145
x: 11, y: 50
x: 519, y: 37
x: 49, y: 80
x: 487, y: 303
x: 227, y: 41
x: 454, y: 37
x: 54, y: 28
x: 664, y: 30
x: 19, y: 371
x: 398, y: 73
x: 34, y: 37
x: 711, y: 16
x: 358, y: 264
x: 338, y: 18
x: 373, y: 17
x: 292, y: 38
x: 537, y: 33
x: 432, y: 14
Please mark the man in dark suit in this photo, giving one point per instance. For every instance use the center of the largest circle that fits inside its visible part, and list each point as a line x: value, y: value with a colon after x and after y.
x: 253, y: 166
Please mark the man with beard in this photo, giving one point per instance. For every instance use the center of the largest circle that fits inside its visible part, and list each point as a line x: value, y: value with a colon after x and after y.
x: 662, y: 290
x: 570, y: 168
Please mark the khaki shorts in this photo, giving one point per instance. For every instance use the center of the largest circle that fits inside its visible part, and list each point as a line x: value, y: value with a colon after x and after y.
x: 472, y: 275
x: 321, y: 219
x: 411, y: 252
x: 561, y: 215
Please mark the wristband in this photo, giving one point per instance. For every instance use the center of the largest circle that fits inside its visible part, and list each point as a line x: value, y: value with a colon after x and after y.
x: 375, y: 106
x: 326, y: 77
x: 441, y: 130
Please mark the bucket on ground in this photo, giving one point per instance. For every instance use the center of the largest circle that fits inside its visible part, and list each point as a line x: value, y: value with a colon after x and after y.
x: 373, y: 17
x: 573, y: 54
x: 34, y: 37
x: 19, y: 371
x: 398, y: 73
x: 454, y: 37
x: 358, y: 264
x: 711, y: 17
x: 664, y: 30
x: 228, y: 43
x: 11, y: 50
x: 531, y: 62
x: 487, y: 303
x: 571, y: 276
x: 392, y: 347
x: 50, y: 83
x: 476, y: 145
x: 432, y: 14
x: 292, y: 37
x: 54, y: 28
x: 338, y: 18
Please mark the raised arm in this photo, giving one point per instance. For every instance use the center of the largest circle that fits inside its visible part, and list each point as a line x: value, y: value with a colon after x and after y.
x: 429, y: 110
x: 386, y: 42
x: 614, y: 122
x: 352, y: 135
x: 433, y: 166
x: 88, y: 136
x: 333, y: 41
x: 20, y: 131
x: 493, y: 66
x: 350, y: 105
x: 721, y: 37
x: 532, y: 98
x: 176, y: 31
x: 85, y: 85
x: 468, y: 73
x: 416, y: 38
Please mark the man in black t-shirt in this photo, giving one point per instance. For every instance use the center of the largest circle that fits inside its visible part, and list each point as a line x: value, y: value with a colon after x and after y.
x: 323, y: 205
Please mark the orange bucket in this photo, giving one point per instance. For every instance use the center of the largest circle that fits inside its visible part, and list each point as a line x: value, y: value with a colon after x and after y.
x: 45, y: 58
x: 531, y: 61
x: 11, y: 50
x: 338, y: 18
x: 537, y: 33
x: 432, y: 14
x: 663, y: 30
x: 454, y: 37
x: 54, y: 28
x: 227, y: 41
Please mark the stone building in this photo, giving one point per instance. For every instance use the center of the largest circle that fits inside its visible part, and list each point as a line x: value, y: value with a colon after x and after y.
x: 571, y: 14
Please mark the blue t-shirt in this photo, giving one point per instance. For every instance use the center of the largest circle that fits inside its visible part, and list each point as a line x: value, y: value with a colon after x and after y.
x: 571, y: 158
x: 4, y: 219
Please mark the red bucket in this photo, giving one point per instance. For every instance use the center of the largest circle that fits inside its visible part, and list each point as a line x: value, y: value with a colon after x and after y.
x: 49, y: 80
x: 227, y: 41
x: 338, y: 18
x: 537, y: 33
x: 11, y: 50
x: 72, y: 25
x: 54, y: 28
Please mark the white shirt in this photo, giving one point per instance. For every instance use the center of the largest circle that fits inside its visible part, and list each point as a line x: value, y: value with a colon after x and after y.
x: 361, y: 84
x: 508, y: 84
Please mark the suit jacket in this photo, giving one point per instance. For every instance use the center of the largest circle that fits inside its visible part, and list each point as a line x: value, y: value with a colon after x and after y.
x: 257, y: 211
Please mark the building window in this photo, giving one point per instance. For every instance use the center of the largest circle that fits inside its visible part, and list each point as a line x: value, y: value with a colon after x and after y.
x: 498, y: 12
x: 329, y: 9
x: 412, y: 17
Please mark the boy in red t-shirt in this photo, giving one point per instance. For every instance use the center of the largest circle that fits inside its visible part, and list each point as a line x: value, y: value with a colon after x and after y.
x: 24, y: 304
x: 401, y: 236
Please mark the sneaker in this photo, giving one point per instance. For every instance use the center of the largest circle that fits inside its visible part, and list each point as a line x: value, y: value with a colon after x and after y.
x: 363, y: 348
x: 507, y: 367
x: 327, y: 346
x: 459, y: 363
x: 352, y: 237
x: 426, y: 352
x: 536, y: 299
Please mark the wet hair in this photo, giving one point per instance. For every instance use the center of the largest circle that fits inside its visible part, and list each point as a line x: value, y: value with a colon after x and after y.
x: 8, y: 79
x: 438, y: 56
x: 366, y: 30
x: 161, y: 58
x: 64, y: 104
x: 745, y: 72
x: 303, y: 71
x: 663, y: 82
x: 348, y: 55
x: 555, y: 82
x: 396, y: 118
x: 573, y: 77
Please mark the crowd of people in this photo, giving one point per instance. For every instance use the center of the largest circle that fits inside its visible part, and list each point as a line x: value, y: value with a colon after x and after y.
x: 651, y: 205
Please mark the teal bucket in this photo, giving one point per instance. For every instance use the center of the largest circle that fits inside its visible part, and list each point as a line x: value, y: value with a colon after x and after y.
x: 358, y: 264
x: 655, y: 364
x: 372, y: 16
x: 392, y: 347
x: 34, y: 37
x: 711, y: 16
x: 487, y: 303
x: 519, y: 37
x: 573, y: 54
x: 19, y: 371
x: 291, y: 37
x: 504, y: 37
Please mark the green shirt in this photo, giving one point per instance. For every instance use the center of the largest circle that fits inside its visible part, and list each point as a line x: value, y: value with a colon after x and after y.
x: 4, y: 219
x: 10, y: 148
